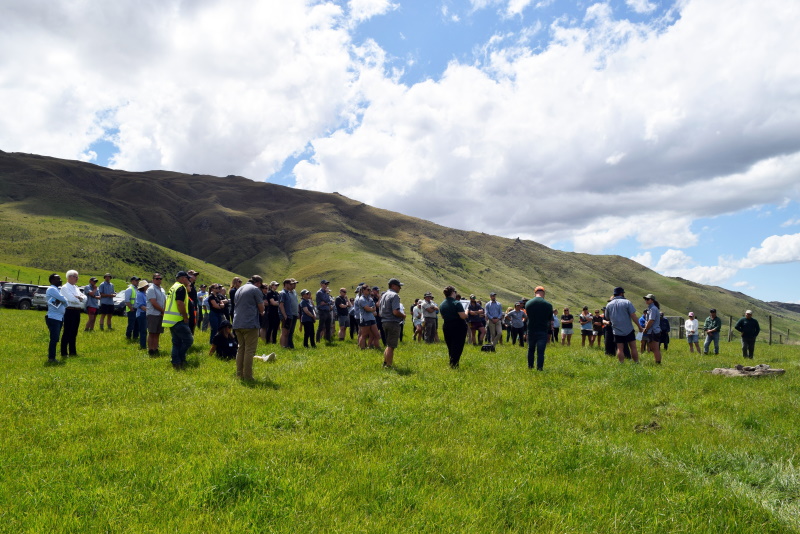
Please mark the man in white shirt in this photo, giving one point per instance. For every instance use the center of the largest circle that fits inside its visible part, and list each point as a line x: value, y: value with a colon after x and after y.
x: 692, y: 337
x: 72, y: 314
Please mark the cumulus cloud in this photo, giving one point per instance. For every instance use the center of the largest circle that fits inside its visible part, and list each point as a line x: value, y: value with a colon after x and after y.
x: 774, y: 249
x: 656, y: 124
x: 230, y: 87
x: 361, y: 10
x: 641, y: 6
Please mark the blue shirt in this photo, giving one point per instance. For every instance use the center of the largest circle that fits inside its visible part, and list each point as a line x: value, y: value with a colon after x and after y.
x: 91, y: 296
x: 363, y: 314
x: 493, y: 310
x: 56, y: 303
x: 141, y: 302
x: 306, y: 304
x: 619, y: 311
x: 323, y: 300
x: 289, y: 300
x: 654, y: 314
x: 106, y: 287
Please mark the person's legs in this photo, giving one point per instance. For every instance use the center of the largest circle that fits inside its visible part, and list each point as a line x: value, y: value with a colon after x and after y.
x: 375, y: 336
x: 707, y: 343
x: 214, y: 321
x: 91, y: 317
x: 654, y: 348
x: 142, y: 320
x: 716, y: 342
x: 392, y: 330
x: 292, y: 327
x: 248, y: 343
x: 131, y: 316
x: 54, y: 327
x: 71, y: 324
x: 537, y: 342
x: 182, y: 339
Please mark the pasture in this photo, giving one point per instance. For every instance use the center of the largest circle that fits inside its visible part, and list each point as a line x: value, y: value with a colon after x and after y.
x: 327, y: 441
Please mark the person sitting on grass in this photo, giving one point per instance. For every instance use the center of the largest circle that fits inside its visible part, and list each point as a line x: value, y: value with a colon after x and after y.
x: 224, y: 344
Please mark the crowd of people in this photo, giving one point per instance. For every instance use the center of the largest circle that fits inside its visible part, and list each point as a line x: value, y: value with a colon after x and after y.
x: 240, y: 316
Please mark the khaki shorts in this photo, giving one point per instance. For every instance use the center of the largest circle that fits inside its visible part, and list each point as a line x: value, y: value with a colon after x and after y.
x: 392, y: 331
x: 154, y: 325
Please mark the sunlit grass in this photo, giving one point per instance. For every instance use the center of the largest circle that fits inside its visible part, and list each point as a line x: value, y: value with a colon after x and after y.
x: 325, y: 440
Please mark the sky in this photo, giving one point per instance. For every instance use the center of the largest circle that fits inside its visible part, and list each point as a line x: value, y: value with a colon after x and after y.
x: 663, y: 131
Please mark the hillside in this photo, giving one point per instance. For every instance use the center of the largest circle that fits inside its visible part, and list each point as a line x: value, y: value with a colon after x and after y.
x: 56, y: 213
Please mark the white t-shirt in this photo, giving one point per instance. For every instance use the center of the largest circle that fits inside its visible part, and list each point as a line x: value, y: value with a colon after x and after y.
x: 691, y: 327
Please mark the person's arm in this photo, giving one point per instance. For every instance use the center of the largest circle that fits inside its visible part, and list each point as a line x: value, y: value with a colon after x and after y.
x: 739, y: 325
x: 182, y: 305
x: 128, y: 296
x: 212, y: 350
x: 636, y: 321
x: 461, y: 312
x: 156, y: 305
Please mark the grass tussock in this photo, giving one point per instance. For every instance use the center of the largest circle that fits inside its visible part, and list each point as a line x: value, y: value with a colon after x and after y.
x: 326, y: 441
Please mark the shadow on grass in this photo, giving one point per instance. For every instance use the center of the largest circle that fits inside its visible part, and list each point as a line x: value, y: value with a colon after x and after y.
x: 260, y: 383
x: 403, y: 371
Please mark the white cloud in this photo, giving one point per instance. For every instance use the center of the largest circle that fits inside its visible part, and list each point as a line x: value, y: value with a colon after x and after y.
x: 741, y: 284
x: 230, y: 87
x: 649, y: 128
x: 774, y: 249
x: 641, y: 6
x: 645, y: 258
x: 678, y: 263
x: 361, y: 10
x: 790, y: 222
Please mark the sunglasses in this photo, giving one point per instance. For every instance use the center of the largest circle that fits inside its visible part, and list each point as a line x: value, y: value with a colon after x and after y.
x: 157, y: 278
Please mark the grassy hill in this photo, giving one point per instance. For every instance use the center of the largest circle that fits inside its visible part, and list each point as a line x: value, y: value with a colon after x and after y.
x: 56, y: 214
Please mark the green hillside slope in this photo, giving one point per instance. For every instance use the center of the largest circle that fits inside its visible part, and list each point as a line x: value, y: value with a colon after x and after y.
x: 115, y: 219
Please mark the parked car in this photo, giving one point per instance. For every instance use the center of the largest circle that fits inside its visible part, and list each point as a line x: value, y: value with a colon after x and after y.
x: 39, y: 301
x: 14, y: 295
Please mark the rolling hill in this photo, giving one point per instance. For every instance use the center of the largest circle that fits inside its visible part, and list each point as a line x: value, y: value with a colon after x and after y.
x: 57, y: 214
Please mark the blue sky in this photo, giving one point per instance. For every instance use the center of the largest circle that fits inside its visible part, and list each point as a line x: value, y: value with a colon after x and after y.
x: 666, y: 132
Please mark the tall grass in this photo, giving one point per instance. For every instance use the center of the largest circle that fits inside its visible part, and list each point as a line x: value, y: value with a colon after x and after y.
x: 327, y: 441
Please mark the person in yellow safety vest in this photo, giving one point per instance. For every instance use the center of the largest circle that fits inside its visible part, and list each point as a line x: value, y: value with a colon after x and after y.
x: 176, y: 318
x: 132, y: 331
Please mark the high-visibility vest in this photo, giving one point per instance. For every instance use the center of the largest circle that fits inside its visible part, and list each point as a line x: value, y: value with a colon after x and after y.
x: 133, y: 295
x: 171, y: 314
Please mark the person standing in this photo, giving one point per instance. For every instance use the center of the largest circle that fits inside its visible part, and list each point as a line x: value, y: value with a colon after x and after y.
x: 92, y: 294
x: 156, y: 300
x: 217, y: 306
x: 236, y: 283
x: 246, y: 322
x: 585, y: 319
x: 430, y: 314
x: 566, y: 327
x: 176, y: 318
x: 540, y: 317
x: 556, y: 325
x: 494, y: 319
x: 749, y: 329
x: 72, y: 315
x: 201, y: 309
x: 652, y: 326
x: 454, y: 325
x: 342, y: 304
x: 56, y: 305
x: 517, y: 318
x: 712, y: 326
x: 368, y: 330
x: 392, y: 315
x: 107, y: 295
x: 597, y: 327
x: 691, y: 327
x: 132, y: 330
x: 475, y: 315
x: 324, y: 309
x: 620, y: 312
x: 272, y: 305
x: 288, y: 309
x: 665, y: 329
x: 308, y: 316
x: 193, y: 305
x: 141, y: 312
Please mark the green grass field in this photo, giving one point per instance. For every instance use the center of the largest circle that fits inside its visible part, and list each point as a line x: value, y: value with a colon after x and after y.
x: 327, y: 441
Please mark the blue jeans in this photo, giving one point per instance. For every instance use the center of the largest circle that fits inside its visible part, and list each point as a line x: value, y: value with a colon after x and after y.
x: 132, y: 331
x: 214, y: 319
x: 707, y: 343
x: 54, y: 325
x: 182, y: 339
x: 142, y: 322
x: 537, y: 341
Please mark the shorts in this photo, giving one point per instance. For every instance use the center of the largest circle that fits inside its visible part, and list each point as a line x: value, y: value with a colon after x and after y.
x: 585, y: 332
x: 476, y: 325
x: 651, y: 337
x: 692, y: 338
x: 627, y: 338
x: 417, y: 323
x: 91, y: 310
x: 566, y: 331
x: 597, y: 332
x: 106, y: 309
x: 344, y: 320
x: 392, y: 331
x: 369, y: 323
x: 154, y: 325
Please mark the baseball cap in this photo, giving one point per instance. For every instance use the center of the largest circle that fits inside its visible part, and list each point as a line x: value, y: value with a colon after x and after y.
x: 492, y: 294
x: 712, y: 310
x: 428, y: 294
x: 324, y: 282
x: 748, y: 312
x: 538, y: 288
x: 691, y: 314
x: 305, y: 292
x: 395, y: 282
x: 182, y: 273
x: 650, y: 296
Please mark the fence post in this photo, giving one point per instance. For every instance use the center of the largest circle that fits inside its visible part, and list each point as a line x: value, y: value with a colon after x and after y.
x: 730, y: 328
x: 770, y: 330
